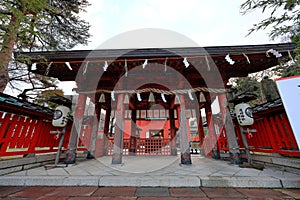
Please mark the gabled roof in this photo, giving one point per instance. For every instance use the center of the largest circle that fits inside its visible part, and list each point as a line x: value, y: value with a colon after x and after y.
x: 156, y: 52
x: 242, y: 55
x: 67, y: 65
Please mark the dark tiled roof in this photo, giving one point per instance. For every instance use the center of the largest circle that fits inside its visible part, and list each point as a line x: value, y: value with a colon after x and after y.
x: 264, y: 108
x: 158, y: 52
x: 267, y: 106
x: 12, y: 104
x: 245, y: 97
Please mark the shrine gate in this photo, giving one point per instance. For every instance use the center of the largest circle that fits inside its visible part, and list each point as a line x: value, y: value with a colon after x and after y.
x: 145, y: 98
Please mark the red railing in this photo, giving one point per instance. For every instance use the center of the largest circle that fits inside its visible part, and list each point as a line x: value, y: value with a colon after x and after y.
x: 222, y: 140
x: 144, y: 147
x: 110, y: 147
x: 153, y: 146
x: 273, y: 134
x: 20, y: 135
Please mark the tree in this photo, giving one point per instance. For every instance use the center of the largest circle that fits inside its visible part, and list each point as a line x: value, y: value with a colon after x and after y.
x: 31, y: 25
x: 248, y: 85
x: 44, y: 96
x: 285, y: 22
x: 284, y: 19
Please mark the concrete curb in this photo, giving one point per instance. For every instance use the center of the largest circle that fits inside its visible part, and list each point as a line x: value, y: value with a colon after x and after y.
x: 241, y: 182
x: 153, y: 181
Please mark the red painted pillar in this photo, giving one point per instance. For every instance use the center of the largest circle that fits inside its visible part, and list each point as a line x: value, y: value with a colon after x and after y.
x: 230, y: 131
x: 76, y: 128
x: 106, y: 122
x: 183, y: 134
x: 119, y: 131
x: 94, y: 132
x: 173, y: 132
x: 211, y: 143
x: 106, y: 131
x: 200, y: 127
x: 132, y: 148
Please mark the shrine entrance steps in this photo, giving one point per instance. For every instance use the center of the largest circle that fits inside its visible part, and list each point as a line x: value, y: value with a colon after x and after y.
x: 154, y: 171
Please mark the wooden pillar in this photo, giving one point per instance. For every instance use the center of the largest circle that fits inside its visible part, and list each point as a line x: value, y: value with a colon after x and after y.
x: 200, y: 127
x: 172, y: 132
x: 106, y: 131
x: 183, y: 134
x: 200, y: 131
x: 76, y: 129
x: 211, y: 133
x: 106, y: 122
x: 230, y: 131
x: 119, y: 131
x: 94, y: 131
x: 132, y: 149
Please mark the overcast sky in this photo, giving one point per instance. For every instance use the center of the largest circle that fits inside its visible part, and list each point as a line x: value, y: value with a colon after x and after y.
x: 207, y: 22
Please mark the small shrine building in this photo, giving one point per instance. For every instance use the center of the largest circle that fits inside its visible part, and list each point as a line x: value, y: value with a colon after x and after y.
x: 150, y: 94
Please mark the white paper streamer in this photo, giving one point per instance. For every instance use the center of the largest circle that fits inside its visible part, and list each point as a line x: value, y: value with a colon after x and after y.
x: 229, y: 60
x: 126, y: 69
x: 68, y: 65
x: 145, y: 63
x: 105, y: 66
x: 48, y: 69
x: 186, y: 62
x: 166, y: 64
x: 112, y: 95
x: 85, y: 67
x: 246, y: 58
x: 190, y: 95
x: 139, y: 96
x: 207, y: 63
x: 274, y: 52
x: 163, y: 97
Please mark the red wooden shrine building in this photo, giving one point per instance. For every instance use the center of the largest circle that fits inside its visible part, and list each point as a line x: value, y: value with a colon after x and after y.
x: 146, y: 97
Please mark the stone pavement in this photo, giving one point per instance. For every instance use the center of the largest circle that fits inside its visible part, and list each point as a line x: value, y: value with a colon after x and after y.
x: 143, y: 193
x: 154, y: 171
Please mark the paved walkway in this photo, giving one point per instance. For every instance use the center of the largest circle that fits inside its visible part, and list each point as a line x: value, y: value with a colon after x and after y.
x: 155, y: 172
x: 143, y: 193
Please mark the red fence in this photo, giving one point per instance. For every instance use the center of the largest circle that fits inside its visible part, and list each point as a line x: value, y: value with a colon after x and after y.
x: 144, y: 147
x: 273, y: 134
x: 21, y: 135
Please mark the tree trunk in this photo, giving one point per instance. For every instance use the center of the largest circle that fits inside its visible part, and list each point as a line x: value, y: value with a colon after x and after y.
x: 6, y: 52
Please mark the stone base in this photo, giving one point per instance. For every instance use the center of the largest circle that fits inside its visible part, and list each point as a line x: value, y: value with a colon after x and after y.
x: 186, y: 159
x: 235, y: 158
x: 70, y: 158
x: 174, y: 152
x: 90, y: 156
x: 215, y: 154
x: 116, y: 159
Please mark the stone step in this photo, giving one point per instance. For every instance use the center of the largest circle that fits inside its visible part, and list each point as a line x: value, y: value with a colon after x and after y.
x: 153, y: 181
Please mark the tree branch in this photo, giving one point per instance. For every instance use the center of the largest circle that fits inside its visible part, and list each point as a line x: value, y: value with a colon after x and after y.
x: 5, y: 12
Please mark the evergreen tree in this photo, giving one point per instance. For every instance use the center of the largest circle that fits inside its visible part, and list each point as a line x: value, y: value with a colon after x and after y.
x: 31, y: 25
x: 284, y: 21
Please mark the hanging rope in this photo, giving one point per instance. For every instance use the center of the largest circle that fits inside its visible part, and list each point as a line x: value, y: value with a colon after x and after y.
x: 156, y: 90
